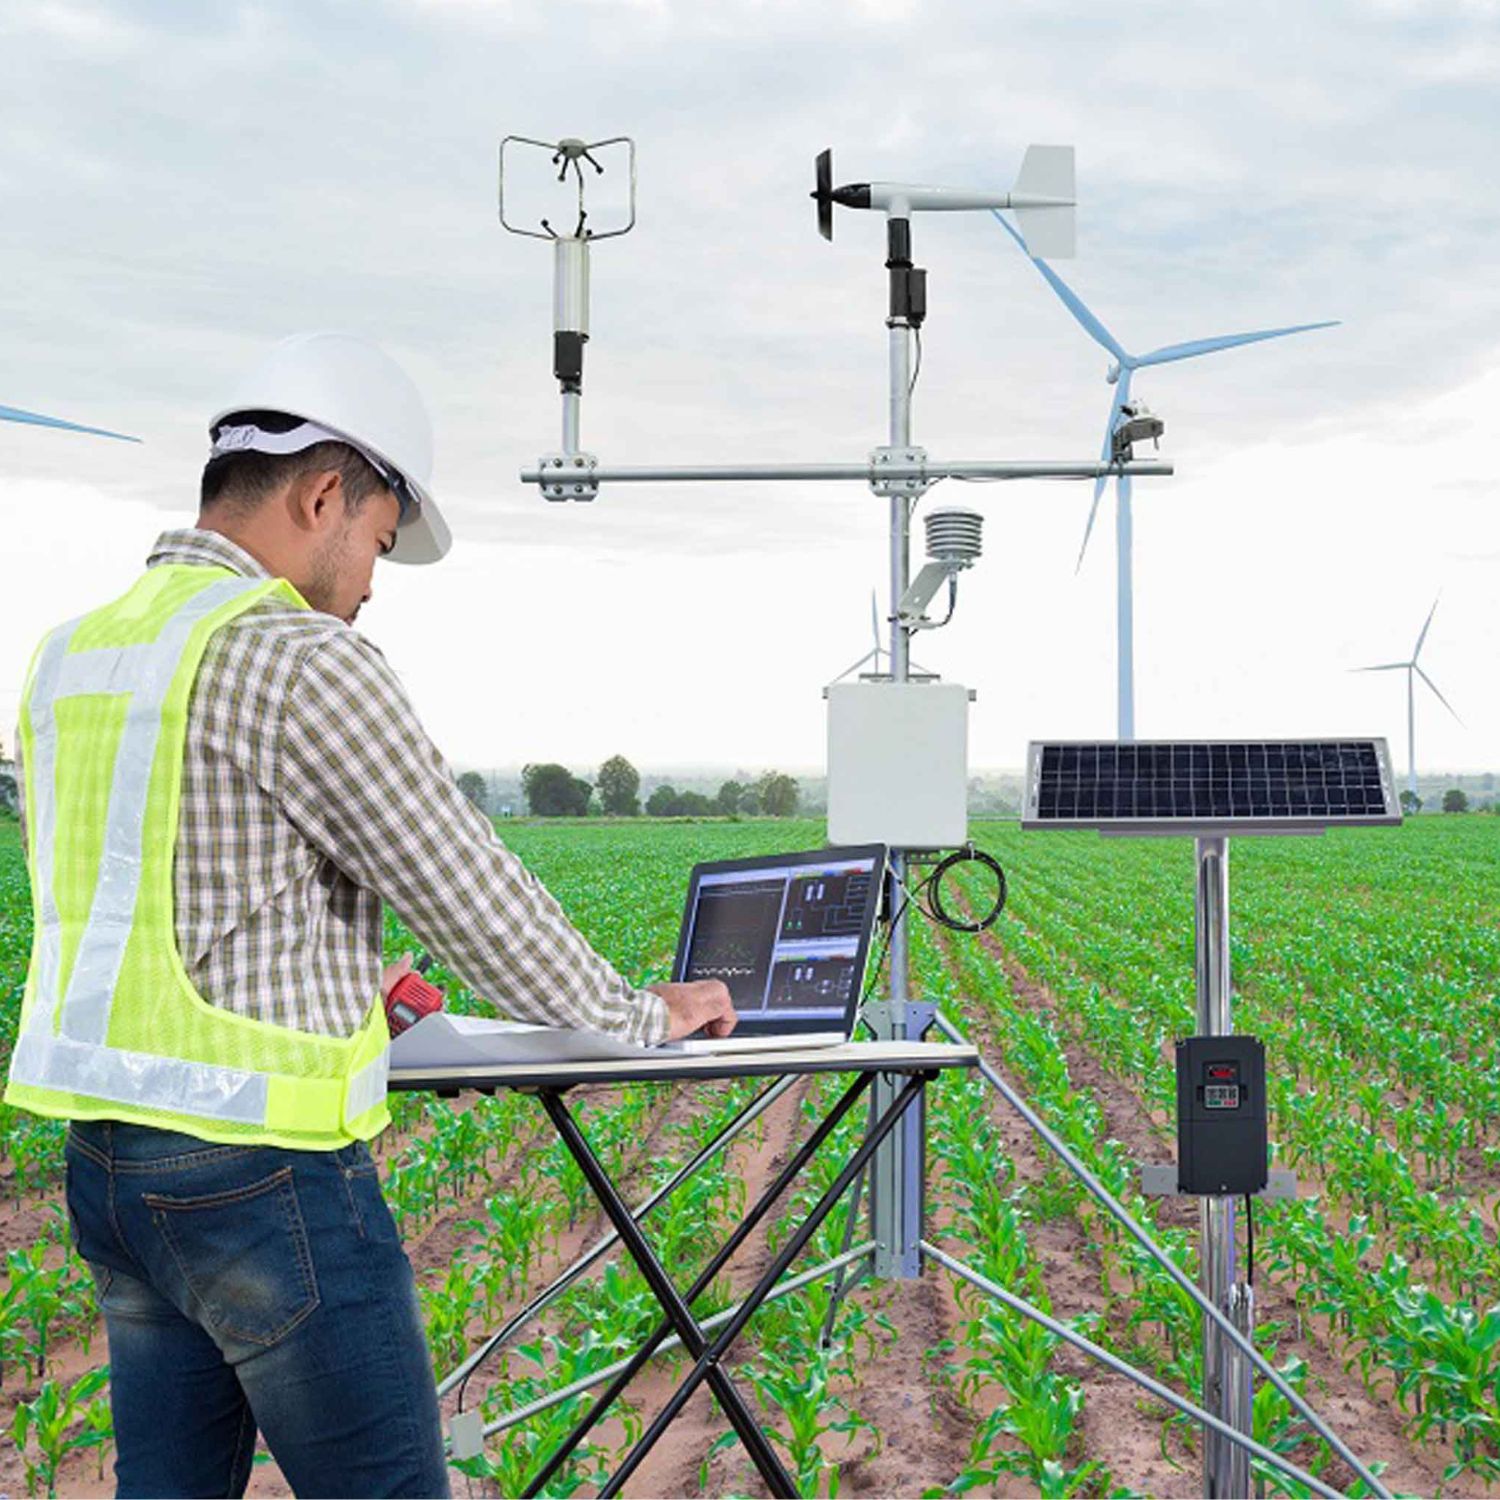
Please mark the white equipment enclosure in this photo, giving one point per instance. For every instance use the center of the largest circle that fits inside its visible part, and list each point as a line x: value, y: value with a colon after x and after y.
x: 898, y: 763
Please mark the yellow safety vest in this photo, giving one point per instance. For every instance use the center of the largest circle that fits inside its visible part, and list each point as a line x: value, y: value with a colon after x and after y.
x: 111, y: 1025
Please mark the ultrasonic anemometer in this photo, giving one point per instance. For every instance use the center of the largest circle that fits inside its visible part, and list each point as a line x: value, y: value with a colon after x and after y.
x: 898, y: 753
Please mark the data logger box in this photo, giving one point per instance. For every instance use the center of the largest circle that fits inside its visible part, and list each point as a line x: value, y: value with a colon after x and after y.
x: 1221, y: 1115
x: 898, y: 764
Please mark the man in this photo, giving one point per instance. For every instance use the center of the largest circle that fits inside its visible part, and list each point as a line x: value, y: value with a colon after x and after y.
x: 223, y: 781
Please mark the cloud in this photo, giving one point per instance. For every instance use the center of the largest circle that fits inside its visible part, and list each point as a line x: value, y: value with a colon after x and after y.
x: 1238, y: 168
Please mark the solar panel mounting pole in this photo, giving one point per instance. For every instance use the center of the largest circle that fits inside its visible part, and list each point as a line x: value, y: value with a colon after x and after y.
x: 1226, y: 1372
x: 1210, y: 789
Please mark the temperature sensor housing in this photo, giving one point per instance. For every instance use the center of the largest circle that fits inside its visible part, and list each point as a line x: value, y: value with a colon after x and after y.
x: 1221, y: 1115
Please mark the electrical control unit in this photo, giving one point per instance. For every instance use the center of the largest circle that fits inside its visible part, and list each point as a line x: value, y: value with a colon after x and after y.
x: 898, y: 764
x: 1221, y: 1115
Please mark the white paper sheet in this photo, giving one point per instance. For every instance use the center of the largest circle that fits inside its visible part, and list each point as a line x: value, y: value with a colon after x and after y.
x: 441, y: 1040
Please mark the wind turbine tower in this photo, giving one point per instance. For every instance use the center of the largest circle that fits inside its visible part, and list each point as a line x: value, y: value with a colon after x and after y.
x: 1413, y: 671
x: 1119, y: 375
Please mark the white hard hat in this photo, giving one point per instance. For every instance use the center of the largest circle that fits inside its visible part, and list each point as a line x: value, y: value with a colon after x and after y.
x: 346, y: 388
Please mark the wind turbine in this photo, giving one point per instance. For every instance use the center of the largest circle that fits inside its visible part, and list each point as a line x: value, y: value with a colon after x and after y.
x: 878, y: 649
x: 1119, y: 375
x: 1414, y: 671
x: 35, y: 419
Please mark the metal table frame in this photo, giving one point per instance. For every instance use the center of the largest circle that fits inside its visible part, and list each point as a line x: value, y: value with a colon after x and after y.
x: 907, y: 1068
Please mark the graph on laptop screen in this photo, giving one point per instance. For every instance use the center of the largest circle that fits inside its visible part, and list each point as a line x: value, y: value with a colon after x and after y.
x: 787, y: 934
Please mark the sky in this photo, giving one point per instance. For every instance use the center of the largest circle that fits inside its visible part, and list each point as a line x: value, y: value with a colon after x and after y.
x: 182, y: 186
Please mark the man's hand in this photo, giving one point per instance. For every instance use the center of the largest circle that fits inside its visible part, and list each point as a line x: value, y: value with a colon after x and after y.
x: 389, y: 976
x: 701, y: 1003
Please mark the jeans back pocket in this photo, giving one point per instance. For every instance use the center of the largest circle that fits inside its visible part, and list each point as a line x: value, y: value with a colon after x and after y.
x: 244, y: 1255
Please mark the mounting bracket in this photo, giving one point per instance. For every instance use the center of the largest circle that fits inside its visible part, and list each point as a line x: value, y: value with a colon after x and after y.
x: 568, y: 476
x: 906, y: 485
x: 1159, y: 1180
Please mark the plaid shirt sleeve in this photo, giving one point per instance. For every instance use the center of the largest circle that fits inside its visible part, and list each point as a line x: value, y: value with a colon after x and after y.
x: 364, y: 783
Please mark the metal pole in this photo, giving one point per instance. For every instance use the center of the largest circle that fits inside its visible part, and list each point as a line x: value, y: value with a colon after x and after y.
x: 1226, y: 1376
x: 570, y: 328
x: 1411, y: 730
x: 895, y: 1173
x: 928, y: 471
x: 1124, y: 608
x: 1134, y: 1229
x: 1226, y: 1433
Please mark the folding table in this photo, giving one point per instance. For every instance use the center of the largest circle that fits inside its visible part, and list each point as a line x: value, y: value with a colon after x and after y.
x: 914, y: 1062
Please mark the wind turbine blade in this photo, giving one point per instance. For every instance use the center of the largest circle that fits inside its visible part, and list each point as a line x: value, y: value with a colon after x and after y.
x: 1390, y: 666
x: 1071, y: 300
x: 1088, y: 530
x: 15, y: 414
x: 1430, y: 683
x: 874, y: 621
x: 1430, y: 613
x: 1122, y: 394
x: 1169, y: 352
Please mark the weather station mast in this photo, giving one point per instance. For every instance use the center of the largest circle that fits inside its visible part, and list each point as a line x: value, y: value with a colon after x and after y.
x: 897, y: 744
x: 898, y: 770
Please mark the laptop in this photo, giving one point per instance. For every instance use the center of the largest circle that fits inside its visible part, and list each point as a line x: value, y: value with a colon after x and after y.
x: 789, y: 934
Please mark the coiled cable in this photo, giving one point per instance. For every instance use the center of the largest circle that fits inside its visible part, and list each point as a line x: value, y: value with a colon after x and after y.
x: 937, y: 909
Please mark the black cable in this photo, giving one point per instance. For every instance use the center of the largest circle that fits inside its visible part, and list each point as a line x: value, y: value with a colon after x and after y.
x: 1249, y: 1240
x: 952, y: 602
x: 874, y: 976
x: 917, y: 368
x: 938, y: 911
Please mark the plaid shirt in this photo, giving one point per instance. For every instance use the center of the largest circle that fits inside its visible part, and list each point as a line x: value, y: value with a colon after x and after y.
x: 309, y: 793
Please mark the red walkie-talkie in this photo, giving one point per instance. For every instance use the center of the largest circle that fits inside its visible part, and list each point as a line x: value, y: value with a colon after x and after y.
x: 411, y: 998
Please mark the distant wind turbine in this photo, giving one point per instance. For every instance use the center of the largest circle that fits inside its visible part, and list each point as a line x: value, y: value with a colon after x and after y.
x: 15, y: 414
x: 1414, y: 671
x: 878, y: 649
x: 1119, y: 375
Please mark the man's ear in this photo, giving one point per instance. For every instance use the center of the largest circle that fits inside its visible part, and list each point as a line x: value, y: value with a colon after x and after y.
x: 316, y: 500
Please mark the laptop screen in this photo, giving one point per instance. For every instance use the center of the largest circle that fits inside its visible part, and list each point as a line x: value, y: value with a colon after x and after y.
x: 788, y: 933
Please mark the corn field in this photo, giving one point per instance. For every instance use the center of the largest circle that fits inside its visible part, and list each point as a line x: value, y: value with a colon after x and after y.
x: 1367, y: 960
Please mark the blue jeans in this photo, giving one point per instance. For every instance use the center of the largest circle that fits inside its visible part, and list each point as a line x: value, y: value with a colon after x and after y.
x: 249, y: 1287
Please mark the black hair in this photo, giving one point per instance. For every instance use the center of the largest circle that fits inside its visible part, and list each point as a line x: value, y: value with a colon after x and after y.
x: 242, y: 479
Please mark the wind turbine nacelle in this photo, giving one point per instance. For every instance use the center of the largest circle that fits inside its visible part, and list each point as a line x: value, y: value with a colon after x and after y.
x: 1043, y: 199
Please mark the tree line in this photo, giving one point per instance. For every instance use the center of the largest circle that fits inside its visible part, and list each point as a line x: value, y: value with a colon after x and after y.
x: 553, y: 791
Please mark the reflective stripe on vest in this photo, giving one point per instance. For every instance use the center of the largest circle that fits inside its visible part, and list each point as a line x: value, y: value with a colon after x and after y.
x: 64, y: 1046
x: 145, y: 672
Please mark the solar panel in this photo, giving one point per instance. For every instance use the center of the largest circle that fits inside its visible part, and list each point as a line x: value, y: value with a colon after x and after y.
x: 1209, y: 786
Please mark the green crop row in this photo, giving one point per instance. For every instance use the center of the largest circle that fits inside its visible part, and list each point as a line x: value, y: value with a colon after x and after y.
x: 1369, y: 962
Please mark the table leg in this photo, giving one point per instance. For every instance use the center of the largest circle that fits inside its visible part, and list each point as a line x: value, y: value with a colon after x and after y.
x: 708, y: 1362
x: 756, y: 1213
x: 757, y: 1444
